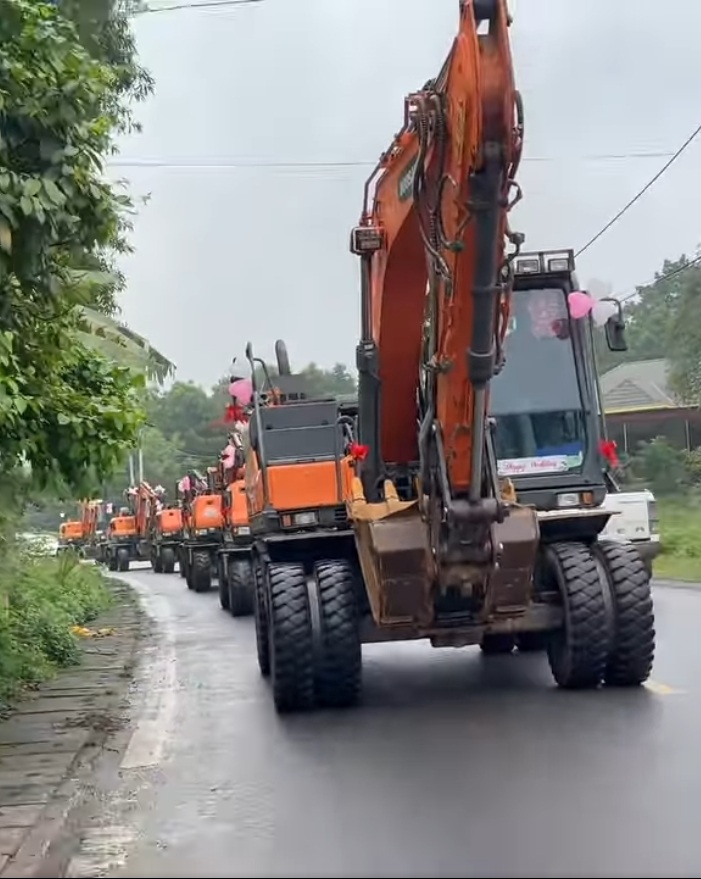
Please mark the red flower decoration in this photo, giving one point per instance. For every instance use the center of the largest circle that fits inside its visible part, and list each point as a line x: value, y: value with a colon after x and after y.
x: 609, y: 450
x: 358, y: 452
x: 235, y: 413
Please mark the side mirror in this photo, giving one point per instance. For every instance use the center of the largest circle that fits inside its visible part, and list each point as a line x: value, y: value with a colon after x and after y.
x: 615, y: 330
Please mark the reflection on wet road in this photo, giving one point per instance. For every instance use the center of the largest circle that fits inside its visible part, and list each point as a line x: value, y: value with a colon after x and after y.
x: 454, y: 765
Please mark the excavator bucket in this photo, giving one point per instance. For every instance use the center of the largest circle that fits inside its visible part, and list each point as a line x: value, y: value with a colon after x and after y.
x: 394, y: 551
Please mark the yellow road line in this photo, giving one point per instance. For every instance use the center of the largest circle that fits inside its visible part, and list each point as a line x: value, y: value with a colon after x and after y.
x: 660, y: 689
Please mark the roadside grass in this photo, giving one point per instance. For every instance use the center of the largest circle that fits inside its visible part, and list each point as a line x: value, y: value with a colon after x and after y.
x: 41, y: 599
x: 680, y: 534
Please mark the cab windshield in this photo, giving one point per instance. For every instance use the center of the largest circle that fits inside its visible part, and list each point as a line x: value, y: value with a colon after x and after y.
x: 535, y: 399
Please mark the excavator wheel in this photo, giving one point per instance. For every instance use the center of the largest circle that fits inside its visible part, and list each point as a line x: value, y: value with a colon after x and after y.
x: 240, y: 587
x: 223, y: 585
x: 201, y: 571
x: 156, y: 561
x: 633, y: 651
x: 339, y: 668
x: 579, y: 651
x: 260, y: 612
x: 291, y: 642
x: 182, y: 562
x: 168, y: 560
x: 112, y: 562
x: 497, y: 645
x: 122, y: 559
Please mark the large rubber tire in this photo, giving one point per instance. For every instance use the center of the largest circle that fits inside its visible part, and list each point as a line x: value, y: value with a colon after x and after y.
x: 497, y: 645
x: 241, y: 588
x: 112, y: 562
x: 123, y: 560
x: 291, y: 642
x: 157, y: 561
x: 168, y: 559
x: 262, y: 622
x: 578, y: 652
x: 201, y: 571
x: 633, y: 650
x: 340, y: 663
x: 182, y: 563
x: 223, y: 586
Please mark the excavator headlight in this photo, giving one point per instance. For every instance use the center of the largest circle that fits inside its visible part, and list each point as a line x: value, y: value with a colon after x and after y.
x: 366, y: 239
x: 558, y: 265
x: 568, y: 499
x: 242, y: 531
x: 528, y: 266
x: 309, y: 517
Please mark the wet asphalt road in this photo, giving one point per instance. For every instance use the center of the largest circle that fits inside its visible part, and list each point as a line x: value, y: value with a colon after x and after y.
x: 454, y: 766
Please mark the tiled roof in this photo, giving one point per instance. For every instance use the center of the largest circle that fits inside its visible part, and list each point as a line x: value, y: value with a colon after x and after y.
x: 637, y: 386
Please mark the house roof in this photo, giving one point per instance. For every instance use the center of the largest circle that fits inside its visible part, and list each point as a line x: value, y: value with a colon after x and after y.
x: 638, y: 386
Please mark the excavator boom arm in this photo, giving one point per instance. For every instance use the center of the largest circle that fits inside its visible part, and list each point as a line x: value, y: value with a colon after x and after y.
x: 433, y: 255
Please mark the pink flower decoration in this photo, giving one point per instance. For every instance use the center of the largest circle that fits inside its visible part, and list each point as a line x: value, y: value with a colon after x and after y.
x: 242, y: 390
x: 580, y: 304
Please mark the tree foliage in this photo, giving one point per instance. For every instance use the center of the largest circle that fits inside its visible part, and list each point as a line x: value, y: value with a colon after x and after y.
x: 64, y: 410
x: 664, y: 321
x: 190, y: 421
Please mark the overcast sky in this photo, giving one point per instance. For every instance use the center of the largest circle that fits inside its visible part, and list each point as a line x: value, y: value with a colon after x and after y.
x: 226, y: 252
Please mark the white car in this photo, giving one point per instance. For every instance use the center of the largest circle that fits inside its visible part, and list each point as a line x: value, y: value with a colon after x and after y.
x: 634, y: 520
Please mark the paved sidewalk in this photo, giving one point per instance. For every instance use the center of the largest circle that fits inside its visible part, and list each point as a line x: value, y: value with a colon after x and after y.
x: 50, y: 743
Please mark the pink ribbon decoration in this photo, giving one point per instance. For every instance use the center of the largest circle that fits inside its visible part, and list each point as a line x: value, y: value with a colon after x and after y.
x: 580, y: 304
x: 242, y: 390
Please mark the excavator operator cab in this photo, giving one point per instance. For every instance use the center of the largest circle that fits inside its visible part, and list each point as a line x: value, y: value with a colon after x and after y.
x: 545, y: 402
x: 297, y: 473
x: 70, y: 535
x: 297, y: 478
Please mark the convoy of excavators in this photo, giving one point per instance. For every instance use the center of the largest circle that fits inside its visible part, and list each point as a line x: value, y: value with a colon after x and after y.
x: 459, y: 497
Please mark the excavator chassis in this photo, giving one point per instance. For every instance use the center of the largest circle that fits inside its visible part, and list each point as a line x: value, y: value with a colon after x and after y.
x: 198, y: 560
x: 163, y: 553
x: 235, y: 575
x: 120, y: 552
x: 587, y: 604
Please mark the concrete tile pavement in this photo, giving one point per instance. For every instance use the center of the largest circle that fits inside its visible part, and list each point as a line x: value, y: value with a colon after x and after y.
x: 50, y: 743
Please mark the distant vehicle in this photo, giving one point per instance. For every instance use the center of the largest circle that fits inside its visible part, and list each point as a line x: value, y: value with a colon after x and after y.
x: 635, y: 520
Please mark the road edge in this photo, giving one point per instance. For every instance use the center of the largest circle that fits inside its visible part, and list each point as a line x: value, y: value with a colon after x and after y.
x: 44, y: 846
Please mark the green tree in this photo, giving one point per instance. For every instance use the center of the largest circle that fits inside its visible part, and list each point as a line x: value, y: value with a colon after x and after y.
x: 661, y: 466
x: 662, y: 322
x: 64, y: 410
x: 336, y: 380
x: 192, y: 419
x: 104, y: 29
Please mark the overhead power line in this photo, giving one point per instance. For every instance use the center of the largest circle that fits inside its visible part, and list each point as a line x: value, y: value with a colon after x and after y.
x: 205, y: 4
x: 665, y: 277
x: 642, y: 192
x: 216, y: 165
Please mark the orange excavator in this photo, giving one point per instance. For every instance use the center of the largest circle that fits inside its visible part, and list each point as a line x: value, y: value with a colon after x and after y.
x: 235, y: 573
x: 91, y: 517
x: 203, y: 523
x: 70, y: 537
x: 439, y: 548
x: 120, y: 544
x: 159, y: 528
